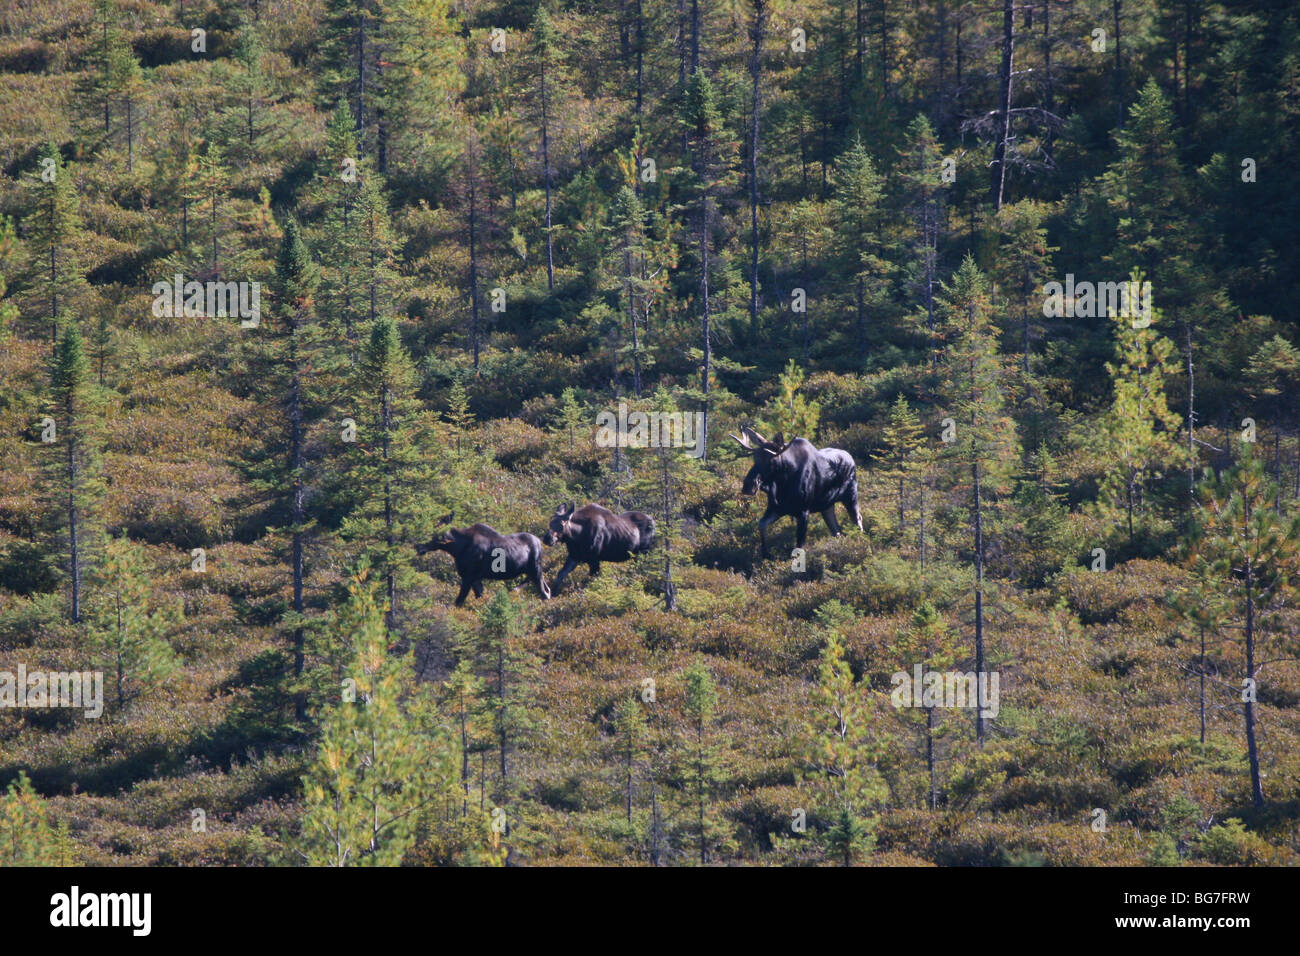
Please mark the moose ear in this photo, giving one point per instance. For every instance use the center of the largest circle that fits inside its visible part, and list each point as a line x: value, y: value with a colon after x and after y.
x: 445, y: 519
x: 744, y: 443
x: 779, y: 440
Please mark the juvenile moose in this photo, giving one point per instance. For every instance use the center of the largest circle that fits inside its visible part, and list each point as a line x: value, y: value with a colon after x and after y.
x: 482, y: 554
x: 594, y: 534
x: 799, y: 478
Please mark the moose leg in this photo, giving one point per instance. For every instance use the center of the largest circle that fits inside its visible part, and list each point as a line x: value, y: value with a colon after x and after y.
x: 595, y: 567
x: 478, y: 589
x: 851, y: 505
x: 829, y: 515
x: 802, y: 534
x: 535, y: 572
x: 768, y: 517
x: 565, y: 571
x: 464, y: 591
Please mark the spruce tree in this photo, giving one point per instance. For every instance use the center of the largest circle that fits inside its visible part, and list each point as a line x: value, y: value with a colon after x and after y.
x: 928, y: 642
x: 837, y: 761
x: 130, y: 627
x: 1139, y: 431
x: 921, y: 194
x: 984, y: 445
x: 630, y: 743
x: 710, y: 172
x: 857, y: 211
x: 78, y: 428
x: 701, y: 773
x: 903, y: 437
x: 546, y: 41
x: 505, y: 664
x: 383, y: 757
x: 1254, y: 555
x: 389, y: 475
x: 53, y: 228
x: 28, y: 835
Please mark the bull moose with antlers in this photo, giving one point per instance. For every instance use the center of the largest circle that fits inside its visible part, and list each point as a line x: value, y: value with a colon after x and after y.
x: 799, y: 478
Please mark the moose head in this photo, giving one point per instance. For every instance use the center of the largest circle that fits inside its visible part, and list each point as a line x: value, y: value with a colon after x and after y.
x: 443, y: 537
x: 560, y: 528
x: 763, y: 474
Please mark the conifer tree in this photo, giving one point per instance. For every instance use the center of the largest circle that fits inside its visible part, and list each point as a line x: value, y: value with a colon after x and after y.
x: 1272, y: 379
x: 1253, y: 554
x: 377, y: 245
x: 114, y: 70
x: 984, y: 445
x: 352, y: 46
x: 702, y: 119
x: 252, y: 87
x: 473, y: 190
x: 382, y: 759
x: 459, y: 416
x: 8, y: 310
x: 857, y: 210
x: 675, y: 476
x: 1204, y: 607
x: 53, y: 227
x: 629, y: 742
x: 78, y: 427
x: 903, y: 437
x: 790, y: 412
x: 130, y: 628
x: 390, y: 474
x: 701, y: 772
x: 338, y: 237
x: 805, y: 235
x: 211, y: 186
x: 1148, y: 195
x: 467, y: 708
x: 288, y: 345
x: 28, y: 837
x: 1023, y: 262
x: 627, y: 223
x: 572, y: 415
x: 546, y: 42
x: 502, y: 659
x: 928, y: 642
x: 920, y: 171
x: 759, y: 13
x: 421, y: 80
x: 838, y: 769
x: 1138, y: 432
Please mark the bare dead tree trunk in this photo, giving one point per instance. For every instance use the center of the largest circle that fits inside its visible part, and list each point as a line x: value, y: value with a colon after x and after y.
x: 758, y: 24
x: 999, y: 172
x: 546, y: 164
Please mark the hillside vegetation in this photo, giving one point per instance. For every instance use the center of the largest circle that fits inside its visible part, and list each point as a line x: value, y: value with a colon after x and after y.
x: 284, y: 283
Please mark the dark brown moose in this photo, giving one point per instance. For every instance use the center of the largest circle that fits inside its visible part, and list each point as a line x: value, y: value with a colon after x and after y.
x: 482, y: 554
x: 594, y: 534
x: 798, y: 479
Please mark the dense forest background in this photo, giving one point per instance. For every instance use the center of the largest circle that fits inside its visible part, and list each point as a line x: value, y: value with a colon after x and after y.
x: 475, y: 226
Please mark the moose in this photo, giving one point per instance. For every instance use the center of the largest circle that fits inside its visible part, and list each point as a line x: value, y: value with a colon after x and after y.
x: 482, y: 554
x: 594, y: 534
x: 798, y: 478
